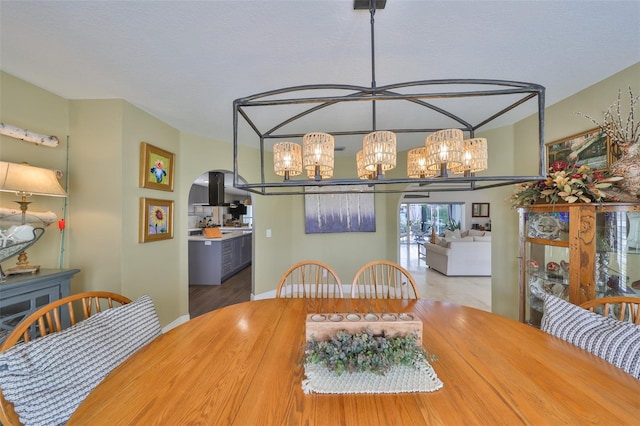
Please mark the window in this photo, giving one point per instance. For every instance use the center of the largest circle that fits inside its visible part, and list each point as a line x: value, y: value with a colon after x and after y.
x: 417, y: 219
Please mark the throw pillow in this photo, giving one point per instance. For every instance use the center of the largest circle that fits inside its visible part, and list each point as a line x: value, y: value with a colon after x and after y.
x: 486, y: 239
x: 476, y: 233
x: 452, y: 234
x: 47, y: 378
x: 617, y: 342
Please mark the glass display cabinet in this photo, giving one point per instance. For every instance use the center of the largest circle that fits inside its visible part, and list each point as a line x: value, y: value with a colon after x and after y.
x: 577, y: 252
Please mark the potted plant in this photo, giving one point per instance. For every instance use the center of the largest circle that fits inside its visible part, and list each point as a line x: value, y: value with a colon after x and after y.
x: 364, y: 351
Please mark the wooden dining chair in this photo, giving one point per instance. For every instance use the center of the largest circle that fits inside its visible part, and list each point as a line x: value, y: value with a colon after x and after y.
x: 623, y: 308
x: 382, y: 279
x: 48, y: 320
x: 309, y: 278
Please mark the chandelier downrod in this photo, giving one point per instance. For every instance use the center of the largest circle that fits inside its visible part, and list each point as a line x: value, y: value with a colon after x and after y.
x: 372, y: 12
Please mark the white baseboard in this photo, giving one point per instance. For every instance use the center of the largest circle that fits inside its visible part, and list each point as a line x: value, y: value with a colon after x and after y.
x: 178, y: 321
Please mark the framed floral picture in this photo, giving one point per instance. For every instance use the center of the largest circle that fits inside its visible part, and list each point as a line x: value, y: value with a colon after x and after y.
x: 591, y: 148
x: 156, y: 167
x: 156, y: 220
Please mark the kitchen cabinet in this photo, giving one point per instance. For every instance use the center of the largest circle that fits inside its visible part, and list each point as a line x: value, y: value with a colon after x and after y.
x: 20, y: 295
x: 211, y: 261
x: 577, y: 252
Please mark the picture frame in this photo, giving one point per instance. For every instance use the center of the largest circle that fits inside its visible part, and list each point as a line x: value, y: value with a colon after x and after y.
x: 156, y: 167
x: 338, y: 211
x: 592, y: 148
x: 156, y: 220
x: 480, y: 209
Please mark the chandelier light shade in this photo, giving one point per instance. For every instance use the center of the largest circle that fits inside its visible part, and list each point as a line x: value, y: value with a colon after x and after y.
x: 474, y: 156
x: 379, y: 152
x: 444, y: 150
x: 287, y: 159
x: 417, y: 163
x: 317, y: 155
x: 363, y: 173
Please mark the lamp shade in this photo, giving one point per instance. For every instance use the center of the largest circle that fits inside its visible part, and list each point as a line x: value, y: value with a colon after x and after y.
x: 317, y: 155
x: 379, y: 150
x: 474, y: 156
x: 444, y: 149
x: 287, y: 159
x: 417, y: 163
x: 28, y: 180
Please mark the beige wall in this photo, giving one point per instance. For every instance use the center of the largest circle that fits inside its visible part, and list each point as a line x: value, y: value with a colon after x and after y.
x: 28, y: 107
x: 104, y: 194
x: 561, y: 121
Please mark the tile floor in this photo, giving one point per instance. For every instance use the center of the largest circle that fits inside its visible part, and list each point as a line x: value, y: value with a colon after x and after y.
x: 468, y: 291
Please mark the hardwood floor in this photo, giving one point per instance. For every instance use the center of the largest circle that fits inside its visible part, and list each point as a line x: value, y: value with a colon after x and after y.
x: 206, y: 298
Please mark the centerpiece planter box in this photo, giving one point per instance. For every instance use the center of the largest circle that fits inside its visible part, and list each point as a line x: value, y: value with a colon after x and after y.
x: 323, y: 326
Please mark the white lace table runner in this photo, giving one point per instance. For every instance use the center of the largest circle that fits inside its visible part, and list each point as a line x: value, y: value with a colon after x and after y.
x: 399, y: 379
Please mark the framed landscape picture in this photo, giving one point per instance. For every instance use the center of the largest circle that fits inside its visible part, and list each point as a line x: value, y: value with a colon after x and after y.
x: 156, y: 220
x: 591, y: 148
x: 340, y: 212
x: 156, y: 167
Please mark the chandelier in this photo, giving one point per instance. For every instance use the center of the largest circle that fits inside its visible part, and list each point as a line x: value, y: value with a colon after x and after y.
x: 447, y: 161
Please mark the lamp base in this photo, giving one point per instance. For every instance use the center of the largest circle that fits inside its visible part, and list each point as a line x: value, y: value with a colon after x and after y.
x: 22, y: 266
x: 25, y: 269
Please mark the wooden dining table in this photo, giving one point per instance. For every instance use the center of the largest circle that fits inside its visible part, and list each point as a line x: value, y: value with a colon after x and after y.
x: 242, y: 365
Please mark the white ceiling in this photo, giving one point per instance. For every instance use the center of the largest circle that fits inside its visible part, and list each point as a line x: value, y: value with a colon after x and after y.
x: 186, y: 61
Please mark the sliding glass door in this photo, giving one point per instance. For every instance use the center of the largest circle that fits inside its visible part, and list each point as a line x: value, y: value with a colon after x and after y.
x: 417, y: 219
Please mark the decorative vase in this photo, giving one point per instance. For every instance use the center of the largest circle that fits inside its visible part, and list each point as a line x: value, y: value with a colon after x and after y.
x: 628, y: 166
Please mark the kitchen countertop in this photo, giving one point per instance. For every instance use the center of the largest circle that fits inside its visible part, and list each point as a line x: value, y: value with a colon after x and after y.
x: 227, y: 234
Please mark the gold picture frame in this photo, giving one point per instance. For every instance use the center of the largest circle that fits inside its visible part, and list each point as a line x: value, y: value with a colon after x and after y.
x: 156, y: 167
x: 156, y: 220
x: 592, y: 148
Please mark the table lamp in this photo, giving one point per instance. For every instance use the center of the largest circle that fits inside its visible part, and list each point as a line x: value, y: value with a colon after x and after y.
x: 25, y: 181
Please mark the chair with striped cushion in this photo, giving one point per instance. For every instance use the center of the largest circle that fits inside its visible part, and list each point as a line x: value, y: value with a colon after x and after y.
x: 623, y: 308
x: 99, y: 336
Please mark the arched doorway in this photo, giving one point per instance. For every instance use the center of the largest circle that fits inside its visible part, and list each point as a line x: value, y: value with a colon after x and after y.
x: 219, y: 268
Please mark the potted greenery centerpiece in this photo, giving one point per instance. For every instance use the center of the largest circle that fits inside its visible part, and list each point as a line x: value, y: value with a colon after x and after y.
x: 364, y: 352
x: 364, y: 362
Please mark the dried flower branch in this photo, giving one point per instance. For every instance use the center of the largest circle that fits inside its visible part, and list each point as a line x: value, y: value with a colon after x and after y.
x: 621, y: 132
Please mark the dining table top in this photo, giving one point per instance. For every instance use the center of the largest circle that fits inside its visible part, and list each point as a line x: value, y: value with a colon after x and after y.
x: 242, y: 365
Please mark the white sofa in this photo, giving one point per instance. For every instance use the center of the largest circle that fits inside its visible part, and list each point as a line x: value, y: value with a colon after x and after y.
x: 465, y: 253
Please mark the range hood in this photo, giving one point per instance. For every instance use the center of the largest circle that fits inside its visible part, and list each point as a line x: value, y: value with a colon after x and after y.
x: 215, y: 192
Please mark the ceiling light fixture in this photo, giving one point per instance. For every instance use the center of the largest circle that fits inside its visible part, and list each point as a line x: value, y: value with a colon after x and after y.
x: 446, y: 162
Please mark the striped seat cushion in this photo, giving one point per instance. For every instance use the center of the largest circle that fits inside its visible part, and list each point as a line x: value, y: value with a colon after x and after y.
x: 615, y: 341
x: 47, y: 378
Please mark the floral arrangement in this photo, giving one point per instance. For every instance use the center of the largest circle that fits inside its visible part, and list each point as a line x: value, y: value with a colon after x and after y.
x: 621, y: 132
x: 566, y: 182
x: 364, y: 352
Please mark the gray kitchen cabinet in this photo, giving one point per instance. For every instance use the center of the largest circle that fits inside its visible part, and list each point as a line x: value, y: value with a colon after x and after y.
x: 211, y: 261
x: 20, y: 295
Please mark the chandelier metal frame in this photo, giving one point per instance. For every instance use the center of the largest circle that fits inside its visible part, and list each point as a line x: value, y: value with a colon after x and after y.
x: 424, y: 92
